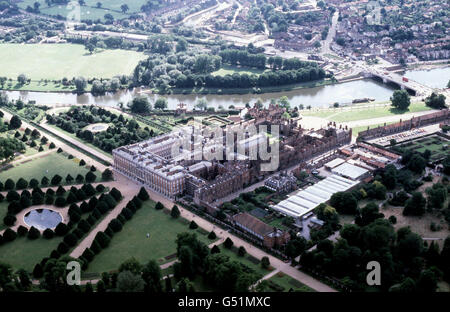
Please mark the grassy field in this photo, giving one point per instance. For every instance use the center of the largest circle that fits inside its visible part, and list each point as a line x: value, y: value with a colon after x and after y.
x: 64, y: 60
x: 229, y: 70
x: 132, y: 241
x: 355, y: 113
x: 24, y: 253
x: 48, y: 166
x: 289, y: 283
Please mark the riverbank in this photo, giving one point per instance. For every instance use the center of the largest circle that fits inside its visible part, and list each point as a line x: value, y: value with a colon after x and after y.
x: 255, y: 90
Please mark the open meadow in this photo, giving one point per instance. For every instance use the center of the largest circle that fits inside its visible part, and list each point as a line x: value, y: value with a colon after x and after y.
x: 56, y: 61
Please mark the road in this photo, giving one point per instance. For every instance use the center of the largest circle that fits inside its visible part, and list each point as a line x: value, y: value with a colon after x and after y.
x: 331, y: 34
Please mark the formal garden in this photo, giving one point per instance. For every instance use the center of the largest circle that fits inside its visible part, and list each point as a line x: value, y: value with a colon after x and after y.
x: 25, y: 243
x: 150, y: 234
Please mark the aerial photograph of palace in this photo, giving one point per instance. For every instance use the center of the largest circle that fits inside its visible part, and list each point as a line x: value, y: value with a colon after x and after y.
x: 257, y: 146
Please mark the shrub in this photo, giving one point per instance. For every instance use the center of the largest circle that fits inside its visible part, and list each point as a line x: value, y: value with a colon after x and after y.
x: 126, y: 213
x: 59, y: 150
x: 44, y: 181
x: 116, y: 194
x: 61, y: 229
x: 265, y: 262
x: 79, y: 178
x: 95, y: 247
x: 93, y: 169
x: 60, y: 201
x: 55, y: 254
x: 212, y: 235
x: 88, y: 254
x: 90, y: 177
x: 63, y: 248
x: 22, y: 231
x: 102, y: 239
x: 75, y: 217
x: 9, y: 184
x: 393, y: 219
x: 9, y: 220
x: 37, y: 271
x: 137, y: 202
x: 49, y: 199
x: 143, y: 195
x: 34, y: 183
x: 100, y: 188
x: 71, y: 198
x: 48, y: 233
x: 228, y: 243
x: 9, y: 235
x: 84, y: 226
x: 193, y: 225
x: 115, y: 225
x: 56, y: 179
x: 82, y: 163
x: 91, y: 220
x: 102, y: 207
x: 88, y: 189
x: 107, y: 175
x: 21, y: 184
x: 159, y: 206
x: 215, y: 249
x: 70, y: 239
x: 52, y: 145
x: 241, y: 251
x: 175, y: 212
x: 109, y: 232
x: 33, y: 233
x: 12, y: 196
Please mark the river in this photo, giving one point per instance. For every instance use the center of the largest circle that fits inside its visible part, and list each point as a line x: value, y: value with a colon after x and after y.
x: 322, y: 96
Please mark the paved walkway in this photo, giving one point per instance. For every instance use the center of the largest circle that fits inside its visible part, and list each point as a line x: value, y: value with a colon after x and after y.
x: 128, y: 190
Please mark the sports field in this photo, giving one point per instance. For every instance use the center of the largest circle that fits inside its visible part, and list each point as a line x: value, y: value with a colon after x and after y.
x: 56, y: 61
x: 48, y: 166
x: 132, y: 241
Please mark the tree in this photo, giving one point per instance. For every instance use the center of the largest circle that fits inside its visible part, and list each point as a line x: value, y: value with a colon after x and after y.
x: 159, y: 206
x: 241, y: 251
x: 22, y: 79
x: 435, y: 101
x: 161, y: 103
x: 215, y: 249
x: 401, y: 99
x: 212, y: 235
x: 129, y: 282
x: 344, y: 202
x: 265, y: 262
x: 124, y: 7
x: 175, y: 212
x: 143, y: 195
x: 184, y: 286
x: 107, y: 175
x: 151, y: 274
x: 415, y: 206
x: 193, y: 225
x: 228, y: 243
x: 90, y: 177
x: 80, y: 83
x: 140, y: 105
x: 15, y: 122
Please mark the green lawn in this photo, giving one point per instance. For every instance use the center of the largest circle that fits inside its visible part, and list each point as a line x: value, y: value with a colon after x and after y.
x: 436, y: 145
x: 341, y: 115
x: 64, y: 60
x: 228, y: 69
x: 92, y: 13
x: 24, y: 253
x: 48, y: 166
x: 132, y: 241
x: 289, y: 283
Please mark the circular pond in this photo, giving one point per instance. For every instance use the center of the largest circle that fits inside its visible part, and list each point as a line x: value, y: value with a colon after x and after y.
x: 42, y: 218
